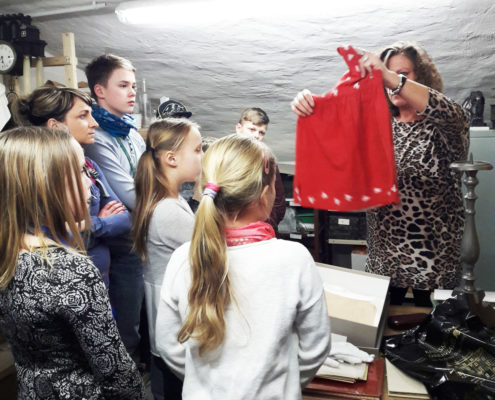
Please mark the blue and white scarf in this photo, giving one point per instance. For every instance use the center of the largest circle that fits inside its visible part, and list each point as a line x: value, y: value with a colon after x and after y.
x: 114, y: 125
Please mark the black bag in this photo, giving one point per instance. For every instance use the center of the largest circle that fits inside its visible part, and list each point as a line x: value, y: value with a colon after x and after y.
x: 451, y: 352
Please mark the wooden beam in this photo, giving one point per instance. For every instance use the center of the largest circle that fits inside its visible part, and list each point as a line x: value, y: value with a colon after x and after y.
x: 57, y: 61
x: 26, y: 75
x: 16, y: 85
x: 69, y: 50
x: 40, y: 78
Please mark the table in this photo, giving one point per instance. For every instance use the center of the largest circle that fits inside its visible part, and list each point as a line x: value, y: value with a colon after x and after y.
x: 391, y: 310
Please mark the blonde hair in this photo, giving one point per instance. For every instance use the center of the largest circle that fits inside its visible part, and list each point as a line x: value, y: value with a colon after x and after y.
x: 46, y: 102
x: 36, y: 166
x: 241, y: 167
x: 150, y: 184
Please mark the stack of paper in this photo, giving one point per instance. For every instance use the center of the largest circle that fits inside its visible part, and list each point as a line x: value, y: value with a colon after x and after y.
x: 350, y: 306
x: 344, y: 372
x: 401, y: 385
x: 371, y: 389
x: 340, y: 370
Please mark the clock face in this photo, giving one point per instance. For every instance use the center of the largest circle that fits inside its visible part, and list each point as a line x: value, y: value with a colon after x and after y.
x: 7, y: 57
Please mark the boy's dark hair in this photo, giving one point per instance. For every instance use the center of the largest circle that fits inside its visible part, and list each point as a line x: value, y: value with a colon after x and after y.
x: 255, y: 115
x: 99, y: 70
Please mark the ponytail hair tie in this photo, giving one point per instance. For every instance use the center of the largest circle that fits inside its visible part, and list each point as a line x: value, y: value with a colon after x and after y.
x: 151, y: 149
x: 211, y: 190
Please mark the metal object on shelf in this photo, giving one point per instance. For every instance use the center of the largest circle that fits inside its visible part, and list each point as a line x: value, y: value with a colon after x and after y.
x: 475, y: 105
x: 470, y: 248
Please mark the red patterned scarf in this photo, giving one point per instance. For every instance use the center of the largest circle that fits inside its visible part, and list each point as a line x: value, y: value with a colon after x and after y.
x: 251, y: 233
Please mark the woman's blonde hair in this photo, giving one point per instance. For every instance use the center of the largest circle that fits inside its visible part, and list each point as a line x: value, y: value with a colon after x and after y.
x: 44, y: 103
x: 241, y: 167
x: 424, y: 68
x: 150, y: 183
x: 37, y: 165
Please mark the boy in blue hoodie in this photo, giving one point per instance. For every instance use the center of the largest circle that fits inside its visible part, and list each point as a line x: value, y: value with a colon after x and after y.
x: 116, y: 150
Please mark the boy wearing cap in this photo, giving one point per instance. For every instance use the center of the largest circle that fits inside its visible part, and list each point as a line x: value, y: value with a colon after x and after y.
x: 254, y: 123
x: 116, y: 150
x: 173, y: 109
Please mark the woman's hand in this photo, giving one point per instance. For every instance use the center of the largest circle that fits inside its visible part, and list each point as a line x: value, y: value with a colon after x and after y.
x: 371, y: 61
x: 111, y: 208
x: 303, y: 104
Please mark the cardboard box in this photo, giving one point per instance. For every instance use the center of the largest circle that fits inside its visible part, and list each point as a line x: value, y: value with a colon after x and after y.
x: 368, y: 337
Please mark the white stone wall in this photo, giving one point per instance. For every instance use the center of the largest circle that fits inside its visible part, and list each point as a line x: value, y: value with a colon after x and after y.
x: 217, y: 67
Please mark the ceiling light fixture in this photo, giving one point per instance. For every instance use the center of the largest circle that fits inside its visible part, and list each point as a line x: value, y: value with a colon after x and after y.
x: 69, y: 10
x: 170, y: 12
x: 209, y: 12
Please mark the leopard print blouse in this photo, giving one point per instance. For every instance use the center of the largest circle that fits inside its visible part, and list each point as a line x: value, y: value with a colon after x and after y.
x: 417, y: 243
x: 58, y: 322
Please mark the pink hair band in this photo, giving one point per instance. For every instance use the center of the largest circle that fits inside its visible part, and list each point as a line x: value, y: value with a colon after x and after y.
x: 211, y: 190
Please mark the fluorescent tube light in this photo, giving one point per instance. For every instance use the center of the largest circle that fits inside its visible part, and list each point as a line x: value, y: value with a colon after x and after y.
x: 68, y: 10
x: 209, y: 12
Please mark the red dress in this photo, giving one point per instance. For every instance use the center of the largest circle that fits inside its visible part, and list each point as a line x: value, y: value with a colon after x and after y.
x: 344, y: 150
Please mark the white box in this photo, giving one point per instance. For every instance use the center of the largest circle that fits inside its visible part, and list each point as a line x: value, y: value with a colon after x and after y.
x: 366, y: 337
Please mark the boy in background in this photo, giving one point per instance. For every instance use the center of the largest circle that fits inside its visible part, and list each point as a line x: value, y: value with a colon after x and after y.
x: 116, y: 150
x: 254, y: 123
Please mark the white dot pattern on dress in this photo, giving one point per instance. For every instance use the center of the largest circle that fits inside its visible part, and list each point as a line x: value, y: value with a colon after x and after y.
x: 356, y: 85
x: 377, y: 190
x: 348, y: 197
x: 324, y: 195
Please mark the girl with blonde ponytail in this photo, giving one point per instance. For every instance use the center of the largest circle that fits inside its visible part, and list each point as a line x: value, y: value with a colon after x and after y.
x: 163, y: 220
x: 242, y: 314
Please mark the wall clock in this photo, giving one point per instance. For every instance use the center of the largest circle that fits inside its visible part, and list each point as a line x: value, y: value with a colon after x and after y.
x: 8, y: 57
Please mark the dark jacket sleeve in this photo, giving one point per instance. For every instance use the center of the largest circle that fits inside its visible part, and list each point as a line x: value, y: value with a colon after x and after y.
x: 278, y: 210
x: 114, y: 225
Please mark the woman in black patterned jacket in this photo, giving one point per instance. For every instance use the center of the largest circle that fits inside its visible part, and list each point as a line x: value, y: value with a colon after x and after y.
x: 54, y: 310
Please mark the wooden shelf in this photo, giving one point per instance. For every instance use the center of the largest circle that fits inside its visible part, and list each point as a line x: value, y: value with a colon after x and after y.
x: 360, y: 242
x: 301, y: 235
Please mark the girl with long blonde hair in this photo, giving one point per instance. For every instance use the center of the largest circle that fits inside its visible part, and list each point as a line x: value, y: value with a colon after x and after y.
x: 242, y: 314
x: 53, y: 303
x: 163, y: 220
